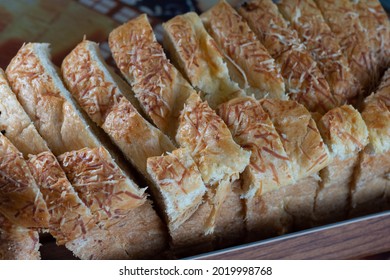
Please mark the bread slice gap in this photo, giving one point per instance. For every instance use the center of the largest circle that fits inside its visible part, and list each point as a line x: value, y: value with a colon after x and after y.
x: 248, y: 60
x: 198, y: 56
x: 61, y: 123
x: 159, y: 87
x: 372, y: 181
x: 304, y: 81
x: 18, y: 243
x: 324, y: 47
x: 343, y: 20
x: 345, y: 134
x: 308, y: 155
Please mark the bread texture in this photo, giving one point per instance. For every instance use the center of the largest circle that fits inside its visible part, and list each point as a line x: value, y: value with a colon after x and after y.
x: 179, y: 185
x: 308, y: 155
x: 345, y: 133
x: 304, y: 81
x: 344, y: 22
x: 96, y: 91
x: 16, y: 124
x: 371, y: 182
x: 117, y: 203
x: 375, y: 21
x: 69, y: 217
x: 21, y: 201
x: 248, y: 60
x: 197, y: 55
x: 18, y: 243
x: 319, y: 40
x: 40, y: 91
x: 211, y: 145
x: 252, y: 129
x: 159, y: 87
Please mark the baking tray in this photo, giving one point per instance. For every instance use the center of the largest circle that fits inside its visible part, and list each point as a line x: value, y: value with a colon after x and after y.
x: 350, y: 239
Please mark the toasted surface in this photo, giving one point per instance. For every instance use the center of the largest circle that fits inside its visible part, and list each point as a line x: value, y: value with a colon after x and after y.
x: 255, y: 69
x: 300, y: 136
x: 101, y: 185
x: 159, y: 87
x: 375, y: 21
x: 252, y: 129
x: 179, y: 184
x: 344, y: 131
x: 344, y: 22
x: 320, y: 41
x: 16, y: 123
x: 21, y: 202
x: 198, y: 56
x: 211, y: 144
x: 69, y: 217
x: 39, y: 89
x: 304, y: 81
x: 136, y: 234
x: 376, y: 114
x: 97, y: 92
x: 18, y: 243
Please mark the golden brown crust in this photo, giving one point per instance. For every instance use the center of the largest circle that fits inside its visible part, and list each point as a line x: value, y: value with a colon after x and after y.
x: 211, y: 144
x: 376, y: 24
x: 344, y: 131
x: 18, y: 243
x: 42, y: 95
x: 198, y: 56
x: 69, y: 217
x: 239, y: 43
x: 96, y: 91
x: 304, y: 81
x: 100, y: 183
x: 300, y: 136
x: 20, y: 199
x: 179, y: 185
x: 16, y: 124
x: 158, y: 86
x: 344, y: 22
x: 253, y: 130
x: 306, y: 18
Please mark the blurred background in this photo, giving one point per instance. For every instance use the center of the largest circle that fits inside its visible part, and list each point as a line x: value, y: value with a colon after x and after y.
x: 63, y: 23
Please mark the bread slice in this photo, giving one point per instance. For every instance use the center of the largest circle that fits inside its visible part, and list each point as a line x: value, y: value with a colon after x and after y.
x: 248, y: 60
x: 69, y: 217
x: 95, y: 88
x: 375, y: 21
x: 307, y: 20
x: 179, y: 187
x: 308, y: 155
x: 211, y: 144
x: 345, y: 133
x: 197, y: 55
x: 159, y: 87
x: 253, y: 130
x: 371, y: 184
x: 18, y: 243
x: 125, y: 218
x: 344, y: 22
x: 21, y: 202
x: 304, y: 81
x: 57, y: 118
